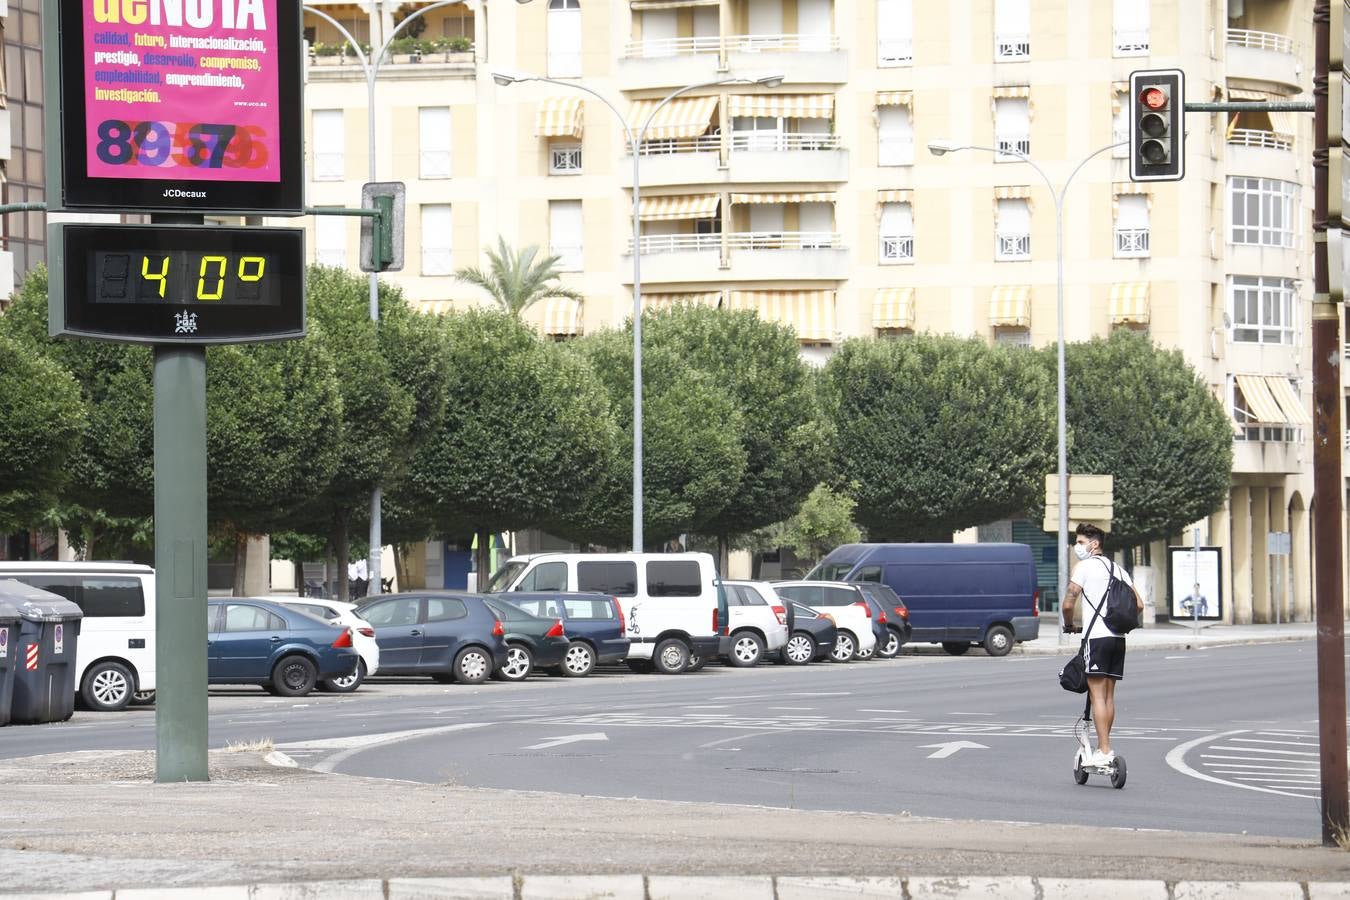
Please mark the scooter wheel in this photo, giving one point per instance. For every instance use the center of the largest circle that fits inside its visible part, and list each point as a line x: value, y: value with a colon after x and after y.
x: 1118, y: 773
x: 1080, y: 774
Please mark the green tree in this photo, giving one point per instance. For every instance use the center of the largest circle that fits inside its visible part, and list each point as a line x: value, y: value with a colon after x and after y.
x: 939, y: 433
x: 824, y: 522
x: 44, y: 418
x: 515, y: 281
x: 691, y: 438
x: 1143, y: 415
x: 526, y: 430
x: 782, y: 432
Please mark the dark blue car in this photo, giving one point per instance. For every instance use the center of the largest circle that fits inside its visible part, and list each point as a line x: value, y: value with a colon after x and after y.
x: 449, y: 636
x: 282, y: 649
x: 593, y: 621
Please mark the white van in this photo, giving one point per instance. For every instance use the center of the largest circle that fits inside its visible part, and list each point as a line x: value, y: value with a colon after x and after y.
x: 672, y: 603
x: 115, y: 655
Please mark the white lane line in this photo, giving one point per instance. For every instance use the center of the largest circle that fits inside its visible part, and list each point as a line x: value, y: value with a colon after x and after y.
x: 1260, y: 741
x: 970, y: 714
x: 884, y: 710
x: 1310, y: 768
x: 792, y: 707
x: 1312, y: 753
x: 1306, y: 734
x: 1176, y: 758
x: 707, y: 706
x: 1176, y: 657
x: 1270, y: 779
x: 745, y: 697
x: 801, y: 716
x: 820, y: 693
x: 350, y: 746
x: 1256, y: 722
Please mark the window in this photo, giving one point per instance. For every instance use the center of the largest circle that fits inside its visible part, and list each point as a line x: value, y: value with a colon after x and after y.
x: 617, y: 578
x: 564, y: 38
x: 897, y: 233
x: 433, y: 132
x: 589, y: 609
x: 440, y: 609
x: 1012, y: 30
x: 1249, y: 427
x: 1120, y: 124
x: 1012, y: 128
x: 564, y: 233
x: 677, y: 578
x: 436, y: 239
x: 1130, y: 28
x: 895, y: 32
x: 329, y: 145
x: 330, y: 240
x: 1262, y: 309
x: 1262, y: 211
x: 868, y: 573
x: 564, y: 159
x: 1013, y: 240
x: 322, y: 612
x: 895, y: 136
x: 97, y: 598
x: 808, y: 594
x: 550, y: 576
x: 392, y: 613
x: 1132, y: 225
x: 239, y: 617
x: 1013, y: 337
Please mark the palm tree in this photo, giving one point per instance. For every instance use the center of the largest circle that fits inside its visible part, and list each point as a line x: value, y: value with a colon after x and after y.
x: 515, y: 280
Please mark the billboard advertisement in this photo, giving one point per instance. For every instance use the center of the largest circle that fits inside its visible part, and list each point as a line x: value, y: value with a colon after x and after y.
x: 1196, y: 586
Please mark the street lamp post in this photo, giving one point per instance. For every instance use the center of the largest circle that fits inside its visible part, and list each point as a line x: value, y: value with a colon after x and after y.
x: 635, y: 143
x: 939, y: 148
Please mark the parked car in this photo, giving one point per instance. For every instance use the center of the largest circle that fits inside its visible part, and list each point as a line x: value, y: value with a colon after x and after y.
x: 890, y: 618
x: 957, y: 594
x: 449, y: 636
x: 594, y: 624
x: 758, y: 622
x: 530, y: 641
x: 811, y: 635
x: 363, y: 637
x: 253, y: 641
x: 853, y: 616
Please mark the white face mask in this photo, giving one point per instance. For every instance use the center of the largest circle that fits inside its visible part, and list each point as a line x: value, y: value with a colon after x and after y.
x: 1081, y: 551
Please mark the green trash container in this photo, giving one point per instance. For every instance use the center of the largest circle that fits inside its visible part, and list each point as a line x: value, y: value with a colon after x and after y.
x: 9, y: 640
x: 44, y: 665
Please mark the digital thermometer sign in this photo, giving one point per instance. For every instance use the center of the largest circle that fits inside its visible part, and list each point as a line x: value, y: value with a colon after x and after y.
x: 177, y: 284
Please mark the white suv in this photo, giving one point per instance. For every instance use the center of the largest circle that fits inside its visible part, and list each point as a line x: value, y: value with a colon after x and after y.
x: 852, y: 615
x: 758, y: 622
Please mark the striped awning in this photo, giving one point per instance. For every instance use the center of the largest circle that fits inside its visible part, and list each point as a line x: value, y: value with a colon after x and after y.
x: 434, y: 307
x: 558, y: 117
x: 1012, y: 192
x: 1010, y: 307
x: 1262, y: 404
x: 895, y: 98
x: 903, y: 195
x: 669, y: 209
x: 789, y: 106
x: 1129, y: 303
x: 750, y: 199
x: 639, y: 5
x: 561, y: 316
x: 684, y: 117
x: 1020, y: 92
x: 1288, y: 400
x: 1280, y: 122
x: 810, y: 313
x: 893, y: 308
x: 657, y: 302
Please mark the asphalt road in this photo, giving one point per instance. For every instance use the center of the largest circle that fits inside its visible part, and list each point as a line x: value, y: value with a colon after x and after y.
x: 1215, y: 740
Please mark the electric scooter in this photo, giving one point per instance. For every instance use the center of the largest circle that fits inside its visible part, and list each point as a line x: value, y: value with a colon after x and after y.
x: 1081, y: 769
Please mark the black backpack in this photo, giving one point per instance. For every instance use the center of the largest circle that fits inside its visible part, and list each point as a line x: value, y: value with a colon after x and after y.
x: 1120, y: 607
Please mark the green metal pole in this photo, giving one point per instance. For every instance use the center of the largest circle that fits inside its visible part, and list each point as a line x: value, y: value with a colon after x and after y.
x: 180, y: 563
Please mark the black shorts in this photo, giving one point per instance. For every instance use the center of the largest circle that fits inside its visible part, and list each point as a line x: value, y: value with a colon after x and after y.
x: 1105, y: 656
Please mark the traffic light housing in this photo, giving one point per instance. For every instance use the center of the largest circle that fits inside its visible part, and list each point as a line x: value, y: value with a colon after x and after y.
x: 382, y: 238
x: 1157, y: 125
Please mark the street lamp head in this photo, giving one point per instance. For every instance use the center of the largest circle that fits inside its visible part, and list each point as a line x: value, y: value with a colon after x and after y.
x: 772, y: 81
x: 505, y: 78
x: 938, y: 148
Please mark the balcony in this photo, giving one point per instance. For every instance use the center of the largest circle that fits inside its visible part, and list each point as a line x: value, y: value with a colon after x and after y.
x: 1010, y: 247
x: 1268, y: 451
x: 1012, y: 47
x: 1253, y: 151
x: 895, y: 51
x: 433, y: 61
x: 757, y: 156
x: 669, y: 62
x: 1131, y: 242
x: 1263, y: 56
x: 1012, y: 148
x: 1254, y: 137
x: 673, y: 62
x: 897, y: 248
x: 750, y: 256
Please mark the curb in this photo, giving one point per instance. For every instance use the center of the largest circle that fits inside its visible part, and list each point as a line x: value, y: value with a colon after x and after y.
x: 776, y: 887
x: 1168, y: 644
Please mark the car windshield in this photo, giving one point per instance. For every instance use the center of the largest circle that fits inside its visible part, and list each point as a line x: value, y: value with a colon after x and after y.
x: 503, y: 577
x: 829, y: 571
x: 511, y: 613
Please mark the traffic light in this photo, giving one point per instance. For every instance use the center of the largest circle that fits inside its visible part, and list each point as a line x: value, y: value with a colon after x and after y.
x: 382, y: 238
x: 1157, y: 126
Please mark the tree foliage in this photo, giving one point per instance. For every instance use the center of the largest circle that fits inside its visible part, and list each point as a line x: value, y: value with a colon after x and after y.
x: 824, y: 521
x: 939, y: 433
x: 515, y: 281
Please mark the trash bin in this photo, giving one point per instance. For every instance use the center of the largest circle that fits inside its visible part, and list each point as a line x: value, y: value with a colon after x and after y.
x: 9, y: 640
x: 44, y: 654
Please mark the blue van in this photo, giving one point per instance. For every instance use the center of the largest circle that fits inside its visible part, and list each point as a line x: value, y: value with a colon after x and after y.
x: 957, y: 594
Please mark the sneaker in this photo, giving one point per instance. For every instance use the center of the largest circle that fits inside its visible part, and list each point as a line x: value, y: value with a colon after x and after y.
x: 1102, y: 759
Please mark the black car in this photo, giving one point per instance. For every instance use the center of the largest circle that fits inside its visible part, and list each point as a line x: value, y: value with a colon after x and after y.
x: 811, y: 636
x: 451, y: 637
x: 530, y: 640
x: 593, y: 622
x: 892, y: 614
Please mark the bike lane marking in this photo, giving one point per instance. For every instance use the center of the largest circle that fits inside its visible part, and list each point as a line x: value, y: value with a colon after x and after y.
x: 1290, y: 769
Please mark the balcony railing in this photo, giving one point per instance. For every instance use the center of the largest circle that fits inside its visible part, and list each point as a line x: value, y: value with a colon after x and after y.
x: 895, y: 51
x: 676, y: 243
x: 679, y: 46
x: 1012, y: 46
x: 1131, y: 242
x: 784, y: 240
x: 1010, y: 147
x: 782, y: 43
x: 765, y: 142
x: 1131, y: 42
x: 705, y: 143
x: 1013, y: 246
x: 897, y: 248
x: 1260, y: 40
x: 1254, y: 137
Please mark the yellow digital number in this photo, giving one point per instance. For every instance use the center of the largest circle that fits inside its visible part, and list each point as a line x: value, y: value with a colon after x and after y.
x: 220, y: 262
x: 160, y: 276
x: 259, y: 261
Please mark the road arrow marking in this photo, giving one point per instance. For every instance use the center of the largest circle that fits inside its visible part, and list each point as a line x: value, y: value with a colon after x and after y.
x: 947, y: 749
x: 567, y: 739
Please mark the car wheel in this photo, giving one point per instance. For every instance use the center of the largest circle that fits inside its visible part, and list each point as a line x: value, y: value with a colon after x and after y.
x: 844, y: 647
x: 799, y: 649
x: 107, y: 687
x: 746, y: 649
x: 696, y: 663
x: 889, y: 648
x: 519, y: 664
x: 956, y: 648
x: 472, y: 665
x: 671, y: 656
x: 866, y: 654
x: 998, y: 640
x: 143, y: 698
x: 578, y: 661
x: 345, y: 684
x: 294, y: 676
x: 640, y: 666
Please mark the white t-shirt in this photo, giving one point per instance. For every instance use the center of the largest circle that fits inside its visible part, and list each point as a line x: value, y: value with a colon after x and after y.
x: 1092, y: 576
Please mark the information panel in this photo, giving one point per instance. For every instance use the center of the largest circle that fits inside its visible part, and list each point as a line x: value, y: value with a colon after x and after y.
x: 184, y: 105
x: 179, y: 284
x: 1196, y: 583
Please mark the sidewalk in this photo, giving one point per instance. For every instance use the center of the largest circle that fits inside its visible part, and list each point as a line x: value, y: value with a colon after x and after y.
x: 1171, y: 636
